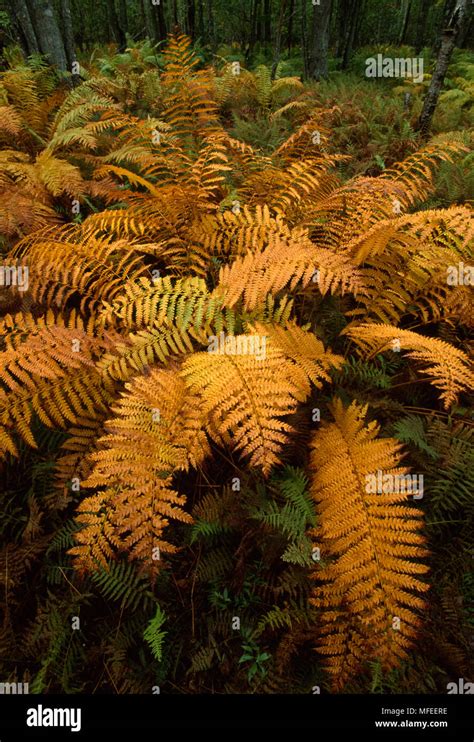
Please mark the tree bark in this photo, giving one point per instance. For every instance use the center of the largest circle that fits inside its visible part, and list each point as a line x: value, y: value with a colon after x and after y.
x: 289, y: 39
x: 278, y: 37
x: 318, y: 52
x: 24, y: 23
x: 68, y: 36
x: 421, y: 24
x: 352, y: 21
x: 114, y: 25
x: 254, y: 13
x: 123, y: 20
x: 402, y: 36
x: 304, y: 40
x: 267, y: 21
x: 210, y: 26
x: 200, y: 15
x: 191, y: 18
x: 155, y: 20
x: 359, y: 22
x: 466, y: 32
x: 48, y: 34
x: 448, y: 41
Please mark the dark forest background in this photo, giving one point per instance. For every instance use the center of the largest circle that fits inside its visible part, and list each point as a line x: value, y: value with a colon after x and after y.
x: 264, y: 30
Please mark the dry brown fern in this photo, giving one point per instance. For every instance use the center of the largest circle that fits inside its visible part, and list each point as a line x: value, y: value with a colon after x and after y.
x: 370, y: 546
x: 155, y: 431
x: 449, y: 369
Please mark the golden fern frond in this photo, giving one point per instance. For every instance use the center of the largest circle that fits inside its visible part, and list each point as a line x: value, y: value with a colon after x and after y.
x: 207, y: 173
x: 452, y: 227
x: 23, y: 95
x: 244, y: 389
x: 47, y: 368
x: 231, y: 87
x: 282, y: 260
x: 62, y: 263
x: 304, y: 181
x: 263, y: 85
x: 10, y: 121
x: 286, y: 84
x: 293, y: 105
x: 352, y: 210
x: 165, y: 225
x: 406, y: 263
x: 138, y: 351
x: 244, y: 156
x: 304, y: 349
x: 309, y: 141
x: 449, y: 368
x: 75, y: 463
x: 74, y: 121
x: 155, y: 432
x: 414, y: 175
x: 21, y: 213
x: 186, y: 303
x: 189, y: 96
x: 371, y: 547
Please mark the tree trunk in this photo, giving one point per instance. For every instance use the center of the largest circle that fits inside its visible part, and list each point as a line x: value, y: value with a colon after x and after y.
x: 210, y: 26
x: 114, y: 25
x: 191, y: 18
x: 48, y: 34
x: 342, y: 23
x: 402, y: 36
x: 79, y: 27
x: 304, y: 40
x: 123, y: 20
x: 467, y: 32
x: 254, y: 13
x: 448, y: 41
x: 318, y: 52
x: 150, y: 20
x: 267, y: 21
x: 359, y: 22
x: 68, y: 36
x: 155, y: 20
x: 200, y: 15
x: 352, y: 20
x: 24, y: 23
x: 278, y: 37
x: 447, y: 12
x: 421, y: 24
x: 289, y: 39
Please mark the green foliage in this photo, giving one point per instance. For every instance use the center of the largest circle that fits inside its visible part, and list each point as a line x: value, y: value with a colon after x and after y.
x: 154, y: 636
x: 412, y: 429
x: 120, y: 582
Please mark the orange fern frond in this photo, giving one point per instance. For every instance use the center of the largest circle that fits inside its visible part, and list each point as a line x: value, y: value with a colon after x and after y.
x: 155, y: 432
x: 370, y: 546
x: 449, y: 369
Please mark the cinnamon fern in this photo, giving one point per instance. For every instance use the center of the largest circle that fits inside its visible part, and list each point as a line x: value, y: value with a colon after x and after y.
x: 215, y: 344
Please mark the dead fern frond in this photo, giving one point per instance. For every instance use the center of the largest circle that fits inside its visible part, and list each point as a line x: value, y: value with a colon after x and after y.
x: 370, y: 544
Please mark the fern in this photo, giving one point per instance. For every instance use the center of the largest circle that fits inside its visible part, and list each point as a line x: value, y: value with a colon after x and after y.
x: 369, y: 589
x: 153, y: 635
x: 411, y: 429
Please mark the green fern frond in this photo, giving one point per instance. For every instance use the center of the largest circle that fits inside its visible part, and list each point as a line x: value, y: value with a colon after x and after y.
x: 153, y: 634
